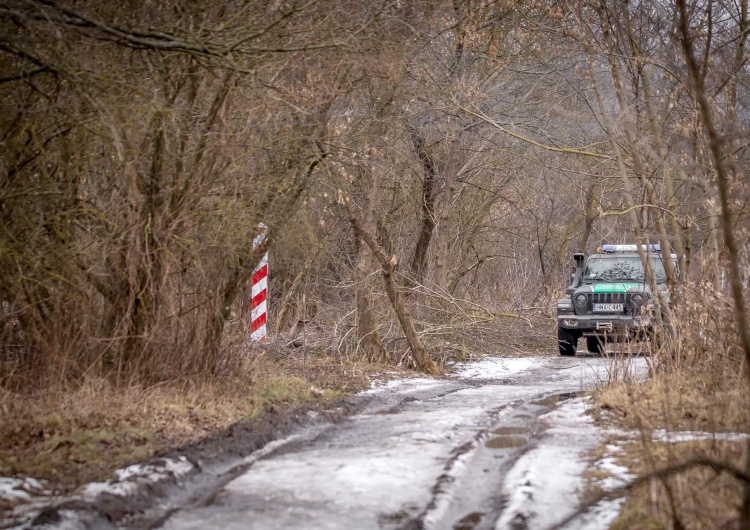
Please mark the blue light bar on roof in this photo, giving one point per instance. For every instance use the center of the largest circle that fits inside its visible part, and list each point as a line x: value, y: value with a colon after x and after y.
x: 630, y: 248
x: 619, y: 248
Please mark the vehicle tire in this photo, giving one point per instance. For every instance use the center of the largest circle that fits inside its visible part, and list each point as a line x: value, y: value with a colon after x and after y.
x: 566, y: 342
x: 595, y: 345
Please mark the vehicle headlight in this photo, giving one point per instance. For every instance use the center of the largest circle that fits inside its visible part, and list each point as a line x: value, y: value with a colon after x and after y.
x: 637, y: 299
x: 580, y: 300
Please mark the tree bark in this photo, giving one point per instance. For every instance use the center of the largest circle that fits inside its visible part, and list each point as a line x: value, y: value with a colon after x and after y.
x: 418, y: 352
x: 369, y: 337
x: 446, y: 210
x: 589, y: 217
x: 418, y: 262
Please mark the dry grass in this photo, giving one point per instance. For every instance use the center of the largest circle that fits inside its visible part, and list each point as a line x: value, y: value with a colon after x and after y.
x: 680, y: 400
x: 698, y: 498
x: 698, y: 383
x: 70, y: 438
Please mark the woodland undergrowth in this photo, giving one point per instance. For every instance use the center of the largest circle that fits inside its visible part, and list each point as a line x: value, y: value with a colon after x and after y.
x: 696, y: 394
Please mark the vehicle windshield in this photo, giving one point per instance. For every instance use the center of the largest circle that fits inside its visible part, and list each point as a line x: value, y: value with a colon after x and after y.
x: 621, y: 268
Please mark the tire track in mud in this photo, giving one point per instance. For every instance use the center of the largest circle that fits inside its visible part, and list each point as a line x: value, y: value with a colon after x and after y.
x: 513, y: 434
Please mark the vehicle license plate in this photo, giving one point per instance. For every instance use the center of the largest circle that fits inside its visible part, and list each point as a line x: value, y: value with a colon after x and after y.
x: 610, y: 308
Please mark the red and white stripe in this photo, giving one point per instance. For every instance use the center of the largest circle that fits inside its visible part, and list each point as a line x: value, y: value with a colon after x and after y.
x: 259, y: 292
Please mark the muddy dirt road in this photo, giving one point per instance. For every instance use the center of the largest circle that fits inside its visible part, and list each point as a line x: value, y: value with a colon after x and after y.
x: 500, y: 445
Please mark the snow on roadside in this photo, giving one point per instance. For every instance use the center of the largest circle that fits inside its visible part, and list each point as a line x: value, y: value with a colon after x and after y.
x: 27, y: 495
x: 661, y: 435
x: 545, y: 485
x: 496, y: 367
x: 24, y: 490
x: 417, y: 383
x: 618, y: 475
x: 129, y: 479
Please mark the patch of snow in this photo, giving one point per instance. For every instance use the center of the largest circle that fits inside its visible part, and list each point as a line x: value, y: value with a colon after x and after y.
x: 661, y: 435
x: 494, y: 367
x: 68, y: 520
x: 618, y: 475
x: 129, y: 479
x: 21, y: 490
x: 602, y: 515
x: 23, y: 515
x: 418, y: 383
x: 452, y: 474
x: 542, y: 485
x: 571, y: 414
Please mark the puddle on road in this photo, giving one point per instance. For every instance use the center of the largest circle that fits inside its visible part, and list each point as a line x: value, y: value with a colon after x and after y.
x: 558, y: 366
x: 551, y: 401
x: 505, y: 442
x: 399, y: 519
x: 570, y: 395
x: 469, y: 522
x: 510, y: 431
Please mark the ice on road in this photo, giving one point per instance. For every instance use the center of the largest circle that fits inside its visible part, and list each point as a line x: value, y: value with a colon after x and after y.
x: 486, y: 448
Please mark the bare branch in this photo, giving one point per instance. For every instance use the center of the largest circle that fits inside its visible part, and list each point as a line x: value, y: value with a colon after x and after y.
x: 568, y: 150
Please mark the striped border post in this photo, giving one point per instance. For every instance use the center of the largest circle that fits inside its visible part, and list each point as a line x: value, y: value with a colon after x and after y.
x: 259, y: 290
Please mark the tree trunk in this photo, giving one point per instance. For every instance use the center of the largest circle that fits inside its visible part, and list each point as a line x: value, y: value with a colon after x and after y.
x: 367, y: 329
x: 446, y: 210
x: 590, y: 216
x: 418, y: 351
x: 418, y: 262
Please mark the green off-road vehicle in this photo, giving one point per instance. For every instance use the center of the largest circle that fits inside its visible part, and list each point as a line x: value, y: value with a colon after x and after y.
x: 608, y: 298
